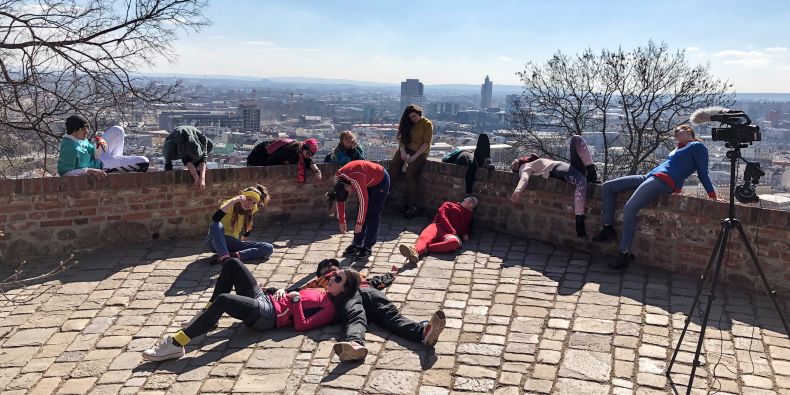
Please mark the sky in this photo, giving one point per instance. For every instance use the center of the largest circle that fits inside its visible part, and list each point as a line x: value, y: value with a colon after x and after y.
x: 460, y: 42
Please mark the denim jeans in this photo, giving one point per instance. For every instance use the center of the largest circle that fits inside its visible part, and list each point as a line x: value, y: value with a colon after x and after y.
x: 648, y: 189
x: 222, y: 244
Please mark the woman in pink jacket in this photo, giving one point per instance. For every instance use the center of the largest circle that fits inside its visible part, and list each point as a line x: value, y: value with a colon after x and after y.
x: 304, y: 310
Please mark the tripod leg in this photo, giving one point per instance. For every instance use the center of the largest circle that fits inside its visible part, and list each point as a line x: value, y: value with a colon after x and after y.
x: 771, y: 294
x: 711, y: 295
x: 700, y: 287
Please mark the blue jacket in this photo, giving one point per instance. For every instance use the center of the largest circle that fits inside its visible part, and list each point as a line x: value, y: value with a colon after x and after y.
x: 684, y: 161
x: 343, y: 156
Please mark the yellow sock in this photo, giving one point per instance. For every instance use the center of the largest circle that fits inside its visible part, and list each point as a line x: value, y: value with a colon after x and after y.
x: 206, y: 306
x: 181, y: 338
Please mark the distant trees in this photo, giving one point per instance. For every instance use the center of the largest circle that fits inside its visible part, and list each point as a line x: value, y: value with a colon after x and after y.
x: 62, y: 57
x: 637, y: 96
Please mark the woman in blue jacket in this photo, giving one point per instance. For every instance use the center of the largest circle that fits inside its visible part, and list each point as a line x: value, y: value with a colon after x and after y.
x: 346, y: 150
x: 689, y: 156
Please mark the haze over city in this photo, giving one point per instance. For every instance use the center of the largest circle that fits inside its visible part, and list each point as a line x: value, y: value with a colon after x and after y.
x: 452, y: 42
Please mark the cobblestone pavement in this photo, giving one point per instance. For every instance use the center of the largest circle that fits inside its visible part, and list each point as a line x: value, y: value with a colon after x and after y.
x: 522, y: 317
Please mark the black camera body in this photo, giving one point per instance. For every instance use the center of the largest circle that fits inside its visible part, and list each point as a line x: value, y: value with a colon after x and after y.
x: 746, y: 193
x: 738, y: 130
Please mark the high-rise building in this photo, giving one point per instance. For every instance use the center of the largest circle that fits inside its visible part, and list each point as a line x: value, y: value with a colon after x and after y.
x: 510, y: 102
x: 411, y: 92
x: 250, y: 115
x: 486, y: 94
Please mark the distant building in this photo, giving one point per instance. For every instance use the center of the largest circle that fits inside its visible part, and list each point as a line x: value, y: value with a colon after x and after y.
x: 486, y: 94
x: 510, y: 102
x: 168, y: 120
x: 250, y: 115
x: 411, y: 92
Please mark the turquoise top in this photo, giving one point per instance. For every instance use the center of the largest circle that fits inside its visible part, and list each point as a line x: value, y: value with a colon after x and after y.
x: 76, y: 154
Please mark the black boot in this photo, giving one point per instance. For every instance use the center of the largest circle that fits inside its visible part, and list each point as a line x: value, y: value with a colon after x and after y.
x: 606, y: 234
x: 592, y: 174
x: 580, y: 232
x: 624, y: 258
x: 351, y: 250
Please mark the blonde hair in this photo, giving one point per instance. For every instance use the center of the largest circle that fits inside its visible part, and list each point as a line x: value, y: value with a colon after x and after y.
x: 238, y: 211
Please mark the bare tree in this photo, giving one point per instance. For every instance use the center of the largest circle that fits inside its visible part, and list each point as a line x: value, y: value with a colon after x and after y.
x: 62, y: 57
x: 631, y: 99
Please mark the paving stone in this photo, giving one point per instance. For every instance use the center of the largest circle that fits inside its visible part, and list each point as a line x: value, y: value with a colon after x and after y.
x: 393, y: 382
x: 77, y: 386
x: 257, y: 381
x: 591, y: 325
x: 575, y: 387
x: 586, y: 365
x: 30, y: 337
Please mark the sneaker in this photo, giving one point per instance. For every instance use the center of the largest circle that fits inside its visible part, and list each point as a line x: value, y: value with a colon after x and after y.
x: 606, y: 234
x: 410, y: 253
x: 624, y: 258
x: 350, y: 351
x: 434, y: 328
x: 164, y: 350
x: 363, y: 252
x: 351, y: 250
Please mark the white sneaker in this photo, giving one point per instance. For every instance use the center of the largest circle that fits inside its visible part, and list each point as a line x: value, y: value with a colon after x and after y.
x: 164, y: 350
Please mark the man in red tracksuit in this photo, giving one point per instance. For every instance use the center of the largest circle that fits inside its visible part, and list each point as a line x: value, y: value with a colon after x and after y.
x: 444, y: 234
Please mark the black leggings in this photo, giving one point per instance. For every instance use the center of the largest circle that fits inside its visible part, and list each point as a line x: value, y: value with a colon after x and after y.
x: 370, y: 302
x: 241, y: 306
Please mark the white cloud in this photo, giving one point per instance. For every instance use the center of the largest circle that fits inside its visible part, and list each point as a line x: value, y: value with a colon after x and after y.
x: 256, y: 43
x: 733, y: 53
x: 751, y: 62
x: 505, y: 58
x: 776, y: 50
x: 693, y: 49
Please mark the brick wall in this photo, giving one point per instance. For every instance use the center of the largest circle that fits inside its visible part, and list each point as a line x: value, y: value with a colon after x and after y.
x: 55, y: 216
x: 678, y: 233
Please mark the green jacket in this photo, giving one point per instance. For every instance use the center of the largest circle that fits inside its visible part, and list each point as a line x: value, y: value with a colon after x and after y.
x: 76, y: 154
x: 188, y: 144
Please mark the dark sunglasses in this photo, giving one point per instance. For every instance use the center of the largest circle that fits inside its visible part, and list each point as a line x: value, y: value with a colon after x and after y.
x: 337, y: 279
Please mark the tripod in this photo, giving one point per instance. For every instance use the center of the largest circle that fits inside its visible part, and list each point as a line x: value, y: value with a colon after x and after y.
x: 727, y: 226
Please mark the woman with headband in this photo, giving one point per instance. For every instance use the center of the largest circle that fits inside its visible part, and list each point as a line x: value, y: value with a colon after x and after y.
x: 232, y: 224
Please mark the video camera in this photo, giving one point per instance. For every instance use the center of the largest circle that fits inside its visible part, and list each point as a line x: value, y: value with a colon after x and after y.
x: 737, y: 126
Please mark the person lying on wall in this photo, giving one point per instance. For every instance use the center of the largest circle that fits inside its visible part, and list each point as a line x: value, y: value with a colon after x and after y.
x: 231, y: 224
x: 192, y: 147
x: 285, y: 151
x: 79, y: 156
x: 472, y: 159
x: 579, y: 172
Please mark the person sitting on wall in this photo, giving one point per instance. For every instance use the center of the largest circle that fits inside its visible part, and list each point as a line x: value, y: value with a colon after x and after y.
x: 191, y: 146
x: 533, y: 165
x: 232, y: 224
x: 286, y: 151
x: 79, y: 157
x: 450, y: 225
x: 472, y: 159
x: 346, y: 150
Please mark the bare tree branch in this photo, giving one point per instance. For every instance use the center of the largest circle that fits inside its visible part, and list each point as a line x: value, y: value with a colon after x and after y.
x: 64, y: 57
x: 631, y: 99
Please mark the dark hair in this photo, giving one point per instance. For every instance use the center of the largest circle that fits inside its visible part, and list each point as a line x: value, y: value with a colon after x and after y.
x: 75, y: 123
x: 404, y: 127
x: 325, y: 264
x: 338, y: 193
x: 351, y: 286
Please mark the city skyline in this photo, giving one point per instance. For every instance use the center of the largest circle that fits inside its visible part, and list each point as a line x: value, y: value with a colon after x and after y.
x: 459, y: 43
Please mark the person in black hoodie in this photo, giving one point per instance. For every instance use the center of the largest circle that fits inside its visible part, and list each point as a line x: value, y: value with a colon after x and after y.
x: 472, y: 159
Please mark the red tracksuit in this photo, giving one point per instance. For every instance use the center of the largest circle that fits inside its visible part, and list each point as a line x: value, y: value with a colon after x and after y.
x: 362, y: 175
x: 445, y: 232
